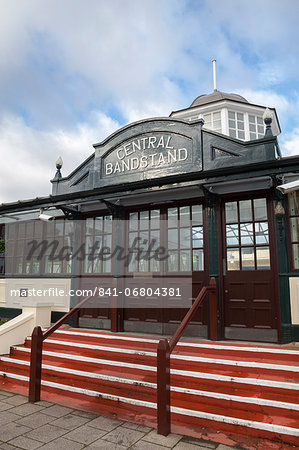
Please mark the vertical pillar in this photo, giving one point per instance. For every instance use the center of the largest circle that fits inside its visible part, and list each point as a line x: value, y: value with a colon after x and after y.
x: 213, y: 244
x: 283, y: 266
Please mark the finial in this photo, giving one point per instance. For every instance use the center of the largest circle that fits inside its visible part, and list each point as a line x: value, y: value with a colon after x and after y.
x: 59, y: 164
x: 268, y: 117
x: 214, y: 75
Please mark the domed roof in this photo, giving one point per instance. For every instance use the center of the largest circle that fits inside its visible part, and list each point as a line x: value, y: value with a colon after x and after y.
x: 216, y: 96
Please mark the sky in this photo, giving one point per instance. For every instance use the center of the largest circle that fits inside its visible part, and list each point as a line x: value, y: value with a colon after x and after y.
x: 74, y: 71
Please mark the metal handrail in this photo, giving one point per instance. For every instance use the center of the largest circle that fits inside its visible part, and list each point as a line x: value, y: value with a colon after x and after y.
x: 38, y: 336
x: 166, y: 347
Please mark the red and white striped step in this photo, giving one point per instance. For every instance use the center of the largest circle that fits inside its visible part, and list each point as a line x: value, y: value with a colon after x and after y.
x: 233, y: 388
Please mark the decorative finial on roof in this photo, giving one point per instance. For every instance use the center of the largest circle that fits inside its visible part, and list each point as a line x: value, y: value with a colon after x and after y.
x: 268, y: 117
x: 214, y: 75
x: 59, y: 164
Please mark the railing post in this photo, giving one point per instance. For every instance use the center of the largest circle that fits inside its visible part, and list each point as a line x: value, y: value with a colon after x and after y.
x: 35, y: 365
x: 163, y: 387
x: 213, y: 322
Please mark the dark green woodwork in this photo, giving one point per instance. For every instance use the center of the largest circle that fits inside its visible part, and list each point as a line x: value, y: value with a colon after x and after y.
x: 211, y: 205
x: 9, y: 313
x: 283, y: 268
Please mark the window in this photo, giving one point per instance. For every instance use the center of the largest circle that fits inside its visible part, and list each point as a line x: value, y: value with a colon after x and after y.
x: 256, y: 127
x: 179, y: 236
x: 236, y: 125
x: 34, y: 247
x: 213, y: 121
x: 144, y: 240
x: 185, y: 238
x: 294, y: 227
x: 247, y: 235
x: 98, y: 244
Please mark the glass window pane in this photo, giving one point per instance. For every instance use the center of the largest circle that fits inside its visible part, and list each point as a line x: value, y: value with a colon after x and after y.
x: 261, y: 233
x: 232, y: 133
x: 232, y: 234
x: 216, y: 116
x: 233, y: 259
x: 144, y: 264
x: 263, y: 258
x: 133, y: 218
x: 241, y: 135
x: 260, y: 209
x: 59, y: 228
x: 133, y: 240
x: 294, y: 224
x: 294, y: 203
x: 107, y: 242
x: 185, y: 216
x: 198, y: 261
x: 252, y: 127
x: 197, y: 236
x: 173, y: 241
x: 154, y: 263
x: 144, y: 220
x: 240, y: 116
x: 247, y: 254
x: 185, y: 260
x: 232, y: 124
x: 89, y: 226
x: 144, y: 240
x: 173, y: 261
x: 108, y: 224
x: 231, y: 115
x: 185, y: 238
x: 154, y: 239
x: 246, y: 230
x: 240, y: 125
x: 231, y: 212
x: 295, y: 252
x: 172, y: 217
x: 252, y: 136
x: 217, y: 124
x: 207, y: 117
x: 98, y: 225
x: 251, y: 119
x: 133, y: 264
x: 155, y: 218
x: 106, y: 266
x: 260, y: 120
x: 245, y: 211
x: 197, y: 215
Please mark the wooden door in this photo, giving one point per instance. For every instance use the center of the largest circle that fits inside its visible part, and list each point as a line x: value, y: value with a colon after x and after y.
x: 249, y: 277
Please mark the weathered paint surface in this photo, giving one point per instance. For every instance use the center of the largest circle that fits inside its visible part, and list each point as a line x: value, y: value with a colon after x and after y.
x: 234, y: 389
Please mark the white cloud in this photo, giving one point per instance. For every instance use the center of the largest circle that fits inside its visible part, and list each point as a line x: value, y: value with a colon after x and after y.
x: 29, y: 156
x: 290, y: 143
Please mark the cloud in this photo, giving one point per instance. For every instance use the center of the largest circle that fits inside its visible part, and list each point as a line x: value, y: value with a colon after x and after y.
x: 29, y: 156
x: 73, y: 71
x: 290, y: 143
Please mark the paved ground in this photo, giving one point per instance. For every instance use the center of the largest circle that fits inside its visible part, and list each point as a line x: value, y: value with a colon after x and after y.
x: 47, y: 426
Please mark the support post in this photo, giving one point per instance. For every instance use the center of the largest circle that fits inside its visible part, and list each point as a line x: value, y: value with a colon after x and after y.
x: 163, y: 388
x: 213, y: 322
x: 35, y: 365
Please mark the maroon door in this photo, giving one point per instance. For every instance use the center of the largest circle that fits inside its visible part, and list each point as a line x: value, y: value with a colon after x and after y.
x: 249, y: 281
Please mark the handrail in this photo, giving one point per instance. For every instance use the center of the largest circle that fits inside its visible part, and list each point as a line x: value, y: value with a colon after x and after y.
x: 166, y: 347
x: 38, y: 336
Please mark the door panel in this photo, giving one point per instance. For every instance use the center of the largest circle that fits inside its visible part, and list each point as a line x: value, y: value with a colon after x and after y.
x: 249, y: 289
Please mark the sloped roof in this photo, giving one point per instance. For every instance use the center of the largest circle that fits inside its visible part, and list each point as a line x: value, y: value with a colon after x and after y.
x: 215, y: 97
